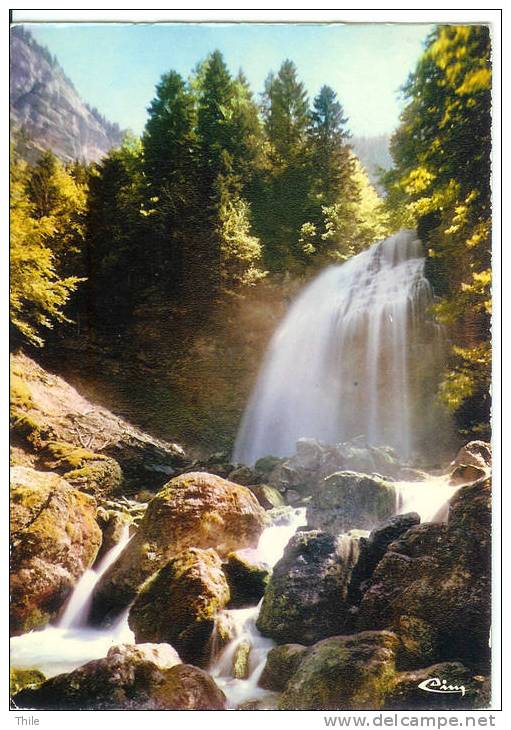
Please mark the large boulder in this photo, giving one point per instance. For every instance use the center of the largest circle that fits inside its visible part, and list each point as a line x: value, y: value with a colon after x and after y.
x: 348, y: 500
x: 373, y: 548
x: 440, y: 574
x: 343, y: 673
x: 180, y: 603
x: 128, y: 678
x: 281, y: 663
x: 196, y: 509
x: 445, y: 686
x: 306, y: 597
x: 54, y: 540
x: 247, y: 578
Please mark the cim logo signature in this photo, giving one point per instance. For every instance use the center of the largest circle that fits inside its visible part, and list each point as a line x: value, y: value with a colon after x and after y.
x: 440, y: 686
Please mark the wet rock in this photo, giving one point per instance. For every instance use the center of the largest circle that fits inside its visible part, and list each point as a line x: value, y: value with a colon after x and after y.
x: 306, y: 597
x: 267, y: 496
x: 240, y: 661
x: 193, y: 510
x: 344, y: 673
x: 244, y: 475
x: 141, y: 678
x: 408, y: 695
x: 24, y: 678
x: 472, y: 462
x: 281, y: 663
x: 373, y: 548
x: 112, y: 524
x: 247, y: 579
x: 440, y: 574
x: 179, y: 604
x: 54, y: 539
x: 347, y: 500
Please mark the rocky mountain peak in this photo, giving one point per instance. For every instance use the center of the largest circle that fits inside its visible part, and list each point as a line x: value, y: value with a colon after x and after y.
x: 48, y: 110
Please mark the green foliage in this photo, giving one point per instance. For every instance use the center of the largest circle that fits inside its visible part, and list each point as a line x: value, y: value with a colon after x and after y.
x: 441, y: 183
x: 119, y: 263
x: 347, y: 226
x: 41, y: 238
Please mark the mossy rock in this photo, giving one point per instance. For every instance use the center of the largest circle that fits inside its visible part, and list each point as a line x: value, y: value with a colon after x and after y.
x: 28, y: 428
x: 180, y: 603
x: 241, y: 660
x: 54, y: 539
x: 67, y: 456
x: 347, y: 500
x: 247, y: 580
x: 128, y: 678
x: 266, y: 464
x: 281, y: 663
x: 195, y: 509
x: 20, y: 393
x: 344, y: 673
x: 21, y: 678
x: 306, y: 598
x: 268, y: 497
x: 90, y: 472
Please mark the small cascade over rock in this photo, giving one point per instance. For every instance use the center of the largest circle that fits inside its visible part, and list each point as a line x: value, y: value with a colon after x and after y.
x: 72, y: 642
x: 357, y: 354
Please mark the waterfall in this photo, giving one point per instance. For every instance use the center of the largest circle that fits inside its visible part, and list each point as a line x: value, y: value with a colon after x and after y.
x: 71, y: 643
x: 356, y: 354
x: 77, y: 609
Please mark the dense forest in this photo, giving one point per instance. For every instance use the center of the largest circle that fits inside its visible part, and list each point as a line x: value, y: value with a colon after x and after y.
x: 224, y: 195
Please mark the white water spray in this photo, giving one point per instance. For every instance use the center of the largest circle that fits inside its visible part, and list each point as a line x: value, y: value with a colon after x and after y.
x: 243, y: 620
x: 354, y: 355
x: 71, y: 642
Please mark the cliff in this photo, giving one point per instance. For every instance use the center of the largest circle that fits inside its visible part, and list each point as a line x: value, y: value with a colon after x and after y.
x: 48, y: 110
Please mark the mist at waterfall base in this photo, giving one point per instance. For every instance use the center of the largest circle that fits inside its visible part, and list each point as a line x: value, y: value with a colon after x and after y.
x: 357, y: 355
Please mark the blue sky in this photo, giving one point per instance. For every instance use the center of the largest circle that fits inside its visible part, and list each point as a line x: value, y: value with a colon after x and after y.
x: 115, y: 67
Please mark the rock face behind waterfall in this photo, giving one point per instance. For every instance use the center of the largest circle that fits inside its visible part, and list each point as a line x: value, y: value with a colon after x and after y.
x: 439, y: 576
x: 54, y: 537
x: 193, y: 510
x: 354, y: 355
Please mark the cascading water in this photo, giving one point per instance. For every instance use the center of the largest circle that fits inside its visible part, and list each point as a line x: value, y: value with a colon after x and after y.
x: 356, y: 354
x: 243, y: 620
x: 429, y: 498
x: 72, y: 642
